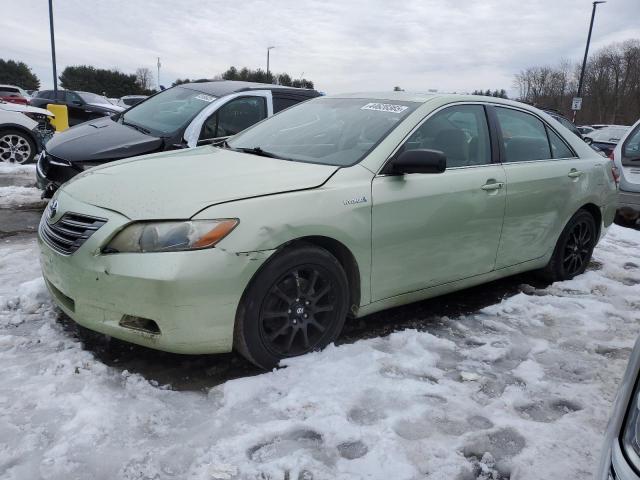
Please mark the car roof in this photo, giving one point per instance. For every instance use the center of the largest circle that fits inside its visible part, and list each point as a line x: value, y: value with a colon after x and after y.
x: 423, y: 97
x: 220, y: 88
x: 4, y: 85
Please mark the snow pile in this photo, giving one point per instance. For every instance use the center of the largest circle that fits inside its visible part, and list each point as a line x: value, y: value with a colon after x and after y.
x: 21, y: 197
x: 18, y: 169
x: 519, y: 390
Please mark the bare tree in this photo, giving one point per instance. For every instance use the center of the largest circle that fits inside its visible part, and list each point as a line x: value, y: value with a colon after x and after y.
x: 611, y: 90
x: 144, y: 78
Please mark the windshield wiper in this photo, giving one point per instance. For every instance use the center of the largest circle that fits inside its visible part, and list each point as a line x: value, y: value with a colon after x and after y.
x: 137, y: 127
x: 258, y: 151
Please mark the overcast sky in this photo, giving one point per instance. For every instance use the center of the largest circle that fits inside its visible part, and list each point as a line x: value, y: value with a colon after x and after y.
x: 347, y: 45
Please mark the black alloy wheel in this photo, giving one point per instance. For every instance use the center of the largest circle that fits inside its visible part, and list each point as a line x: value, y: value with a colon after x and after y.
x: 578, y: 247
x: 573, y: 249
x: 297, y: 310
x: 297, y: 303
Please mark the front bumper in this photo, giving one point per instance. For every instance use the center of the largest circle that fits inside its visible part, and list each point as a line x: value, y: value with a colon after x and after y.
x: 192, y: 296
x: 51, y: 173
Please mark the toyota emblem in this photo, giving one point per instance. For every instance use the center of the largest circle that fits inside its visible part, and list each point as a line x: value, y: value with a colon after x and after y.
x: 53, y: 209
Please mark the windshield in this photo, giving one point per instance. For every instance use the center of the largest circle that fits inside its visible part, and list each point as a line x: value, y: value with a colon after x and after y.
x: 167, y: 112
x: 92, y: 97
x: 331, y: 131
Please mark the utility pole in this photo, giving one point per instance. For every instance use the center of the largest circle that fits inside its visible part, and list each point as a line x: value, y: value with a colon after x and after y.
x: 577, y: 101
x: 268, y: 50
x: 53, y: 51
x: 158, y: 73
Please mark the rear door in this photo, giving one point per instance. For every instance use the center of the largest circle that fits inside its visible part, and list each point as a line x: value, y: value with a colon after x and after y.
x: 430, y: 229
x: 544, y: 180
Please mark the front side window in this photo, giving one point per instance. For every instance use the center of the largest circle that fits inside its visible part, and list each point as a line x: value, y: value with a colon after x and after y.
x: 631, y: 149
x: 460, y: 132
x: 73, y: 97
x: 233, y: 117
x: 524, y: 136
x: 329, y: 131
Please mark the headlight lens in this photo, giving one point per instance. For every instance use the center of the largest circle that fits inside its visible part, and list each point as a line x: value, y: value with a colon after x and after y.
x: 143, y: 237
x: 631, y: 435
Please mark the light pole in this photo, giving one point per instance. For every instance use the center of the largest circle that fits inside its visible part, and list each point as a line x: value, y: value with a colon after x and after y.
x: 584, y: 61
x: 268, y: 50
x: 53, y: 51
x: 158, y: 65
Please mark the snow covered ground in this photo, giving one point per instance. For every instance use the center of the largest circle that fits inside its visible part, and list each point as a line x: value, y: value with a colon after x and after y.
x: 519, y: 390
x: 20, y: 196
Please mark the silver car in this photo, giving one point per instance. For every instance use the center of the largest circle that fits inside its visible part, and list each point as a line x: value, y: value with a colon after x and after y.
x: 620, y: 458
x: 626, y: 157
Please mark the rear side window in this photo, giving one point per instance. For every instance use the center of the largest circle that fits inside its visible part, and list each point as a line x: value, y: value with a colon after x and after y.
x: 45, y: 94
x: 460, y: 132
x: 631, y: 149
x: 282, y: 103
x: 559, y: 149
x: 524, y: 136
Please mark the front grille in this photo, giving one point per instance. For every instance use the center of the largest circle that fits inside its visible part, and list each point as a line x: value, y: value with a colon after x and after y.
x: 69, y: 233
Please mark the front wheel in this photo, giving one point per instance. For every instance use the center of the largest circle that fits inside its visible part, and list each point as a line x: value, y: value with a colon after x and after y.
x: 296, y: 304
x: 16, y: 147
x: 574, y: 248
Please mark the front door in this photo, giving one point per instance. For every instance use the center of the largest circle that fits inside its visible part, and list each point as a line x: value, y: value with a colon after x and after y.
x: 430, y: 229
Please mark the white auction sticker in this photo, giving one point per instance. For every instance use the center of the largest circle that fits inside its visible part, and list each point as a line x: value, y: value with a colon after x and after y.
x: 205, y: 98
x: 384, y: 107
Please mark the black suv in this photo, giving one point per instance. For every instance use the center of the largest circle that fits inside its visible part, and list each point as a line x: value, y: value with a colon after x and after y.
x: 82, y: 106
x: 183, y: 116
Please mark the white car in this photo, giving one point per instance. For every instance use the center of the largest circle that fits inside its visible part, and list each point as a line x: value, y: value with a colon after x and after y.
x: 626, y: 157
x: 23, y: 130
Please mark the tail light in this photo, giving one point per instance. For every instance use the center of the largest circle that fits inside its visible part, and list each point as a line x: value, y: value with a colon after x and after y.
x: 614, y: 169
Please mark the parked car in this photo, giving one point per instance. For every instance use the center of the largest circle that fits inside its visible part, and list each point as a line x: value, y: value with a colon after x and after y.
x: 626, y: 156
x: 82, y: 106
x: 564, y: 121
x: 13, y: 94
x: 130, y: 100
x: 585, y: 129
x: 23, y: 130
x: 339, y: 206
x: 606, y: 138
x: 620, y: 458
x: 183, y: 116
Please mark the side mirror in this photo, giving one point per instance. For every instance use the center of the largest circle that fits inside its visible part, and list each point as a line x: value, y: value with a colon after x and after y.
x: 588, y: 140
x: 418, y: 161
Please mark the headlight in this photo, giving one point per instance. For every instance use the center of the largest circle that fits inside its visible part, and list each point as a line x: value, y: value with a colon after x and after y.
x: 142, y: 237
x: 631, y: 432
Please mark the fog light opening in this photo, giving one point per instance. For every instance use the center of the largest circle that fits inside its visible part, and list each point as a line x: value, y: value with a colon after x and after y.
x: 140, y: 324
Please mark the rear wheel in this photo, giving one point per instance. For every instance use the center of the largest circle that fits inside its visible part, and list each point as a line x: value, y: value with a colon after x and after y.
x: 574, y: 248
x: 297, y: 304
x: 16, y: 147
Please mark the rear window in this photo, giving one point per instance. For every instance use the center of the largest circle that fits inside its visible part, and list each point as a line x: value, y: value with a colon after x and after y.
x: 9, y: 92
x: 631, y: 149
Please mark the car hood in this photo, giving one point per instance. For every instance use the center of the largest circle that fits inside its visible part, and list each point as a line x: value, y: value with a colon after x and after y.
x: 17, y: 107
x: 101, y: 140
x: 178, y: 184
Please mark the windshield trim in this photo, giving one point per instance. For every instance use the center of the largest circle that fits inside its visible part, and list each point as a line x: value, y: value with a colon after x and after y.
x: 412, y: 108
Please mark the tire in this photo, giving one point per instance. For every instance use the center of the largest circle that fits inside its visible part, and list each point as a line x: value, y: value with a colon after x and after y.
x: 574, y: 248
x: 16, y: 147
x: 296, y: 304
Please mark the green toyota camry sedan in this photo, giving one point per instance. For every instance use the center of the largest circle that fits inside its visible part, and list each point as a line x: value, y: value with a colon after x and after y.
x: 337, y: 207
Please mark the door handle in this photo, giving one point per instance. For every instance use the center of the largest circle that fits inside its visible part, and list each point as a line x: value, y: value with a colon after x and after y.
x: 574, y: 173
x: 488, y: 187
